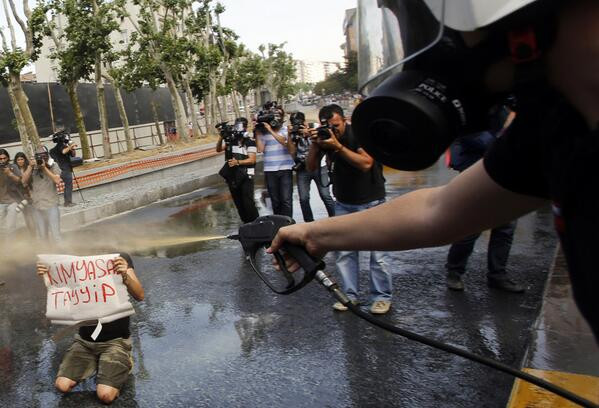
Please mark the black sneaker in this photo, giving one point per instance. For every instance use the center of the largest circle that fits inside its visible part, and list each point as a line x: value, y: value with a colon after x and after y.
x: 454, y: 281
x: 505, y: 284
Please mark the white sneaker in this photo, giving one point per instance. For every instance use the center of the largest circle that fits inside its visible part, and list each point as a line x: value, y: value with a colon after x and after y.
x: 340, y: 307
x: 380, y: 307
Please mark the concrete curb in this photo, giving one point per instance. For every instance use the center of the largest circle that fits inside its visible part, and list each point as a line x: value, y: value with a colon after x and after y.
x: 77, y: 219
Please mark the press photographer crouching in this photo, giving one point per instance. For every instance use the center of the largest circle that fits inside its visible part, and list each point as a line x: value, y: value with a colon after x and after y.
x: 238, y: 171
x: 300, y: 135
x: 43, y: 175
x: 62, y: 154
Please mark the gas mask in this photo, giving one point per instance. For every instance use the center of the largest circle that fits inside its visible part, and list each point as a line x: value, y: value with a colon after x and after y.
x: 425, y: 85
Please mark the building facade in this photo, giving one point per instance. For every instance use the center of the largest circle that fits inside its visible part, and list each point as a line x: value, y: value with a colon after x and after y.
x: 312, y: 72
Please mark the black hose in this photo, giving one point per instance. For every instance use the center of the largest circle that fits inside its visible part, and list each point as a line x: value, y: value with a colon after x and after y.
x: 471, y: 356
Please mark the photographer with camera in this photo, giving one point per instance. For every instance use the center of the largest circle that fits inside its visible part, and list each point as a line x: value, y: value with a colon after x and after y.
x: 9, y: 201
x: 43, y: 174
x: 21, y: 163
x: 62, y: 153
x: 300, y: 135
x: 238, y: 171
x: 358, y: 184
x: 273, y: 141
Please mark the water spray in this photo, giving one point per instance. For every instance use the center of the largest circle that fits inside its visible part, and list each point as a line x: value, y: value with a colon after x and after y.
x: 260, y: 233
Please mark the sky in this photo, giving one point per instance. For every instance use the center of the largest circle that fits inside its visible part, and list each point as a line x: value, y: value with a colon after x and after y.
x: 312, y: 29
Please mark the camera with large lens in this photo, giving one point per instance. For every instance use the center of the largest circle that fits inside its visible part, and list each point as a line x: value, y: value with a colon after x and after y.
x: 39, y: 158
x: 323, y: 131
x: 61, y: 137
x: 297, y: 126
x: 273, y: 118
x: 229, y: 133
x: 21, y: 206
x: 270, y: 114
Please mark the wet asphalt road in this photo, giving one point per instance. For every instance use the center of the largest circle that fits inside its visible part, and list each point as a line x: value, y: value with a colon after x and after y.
x: 210, y: 334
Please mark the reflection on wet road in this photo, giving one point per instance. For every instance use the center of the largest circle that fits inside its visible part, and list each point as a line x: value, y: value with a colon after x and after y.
x: 210, y: 334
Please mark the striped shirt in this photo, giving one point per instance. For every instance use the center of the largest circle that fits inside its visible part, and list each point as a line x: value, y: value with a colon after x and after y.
x: 276, y: 156
x: 241, y: 150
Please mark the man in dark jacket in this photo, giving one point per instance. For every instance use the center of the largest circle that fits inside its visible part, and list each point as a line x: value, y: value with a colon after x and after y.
x: 62, y: 153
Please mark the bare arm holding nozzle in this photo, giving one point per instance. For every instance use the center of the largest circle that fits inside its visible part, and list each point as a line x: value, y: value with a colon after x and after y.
x: 470, y: 203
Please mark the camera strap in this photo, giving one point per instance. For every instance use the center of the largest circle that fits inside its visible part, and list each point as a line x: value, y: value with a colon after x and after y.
x: 329, y: 166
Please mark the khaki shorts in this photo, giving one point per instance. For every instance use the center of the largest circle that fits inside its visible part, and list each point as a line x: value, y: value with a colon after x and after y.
x: 111, y: 359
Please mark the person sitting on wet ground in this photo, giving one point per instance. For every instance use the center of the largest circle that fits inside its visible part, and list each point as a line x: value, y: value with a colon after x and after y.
x: 109, y: 355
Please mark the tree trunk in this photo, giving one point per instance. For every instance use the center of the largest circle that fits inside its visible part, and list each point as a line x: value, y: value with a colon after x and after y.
x: 246, y: 102
x: 235, y: 104
x: 223, y: 118
x: 27, y: 149
x: 207, y: 114
x: 180, y: 117
x: 192, y: 109
x: 102, y: 110
x: 123, y: 114
x: 156, y: 120
x: 213, y: 105
x: 196, y: 106
x: 23, y: 102
x: 85, y: 148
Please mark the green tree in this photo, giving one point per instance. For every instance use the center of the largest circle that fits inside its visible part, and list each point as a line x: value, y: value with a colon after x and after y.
x: 158, y: 40
x: 280, y: 70
x: 75, y: 61
x: 344, y: 80
x: 250, y: 74
x: 12, y: 61
x: 141, y: 69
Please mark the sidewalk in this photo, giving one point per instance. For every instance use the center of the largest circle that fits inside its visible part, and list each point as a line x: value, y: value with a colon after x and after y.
x: 562, y: 350
x: 114, y: 188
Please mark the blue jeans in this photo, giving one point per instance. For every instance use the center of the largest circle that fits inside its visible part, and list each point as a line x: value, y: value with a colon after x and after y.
x: 8, y: 218
x: 348, y: 264
x: 498, y: 251
x: 280, y: 189
x: 67, y: 179
x: 48, y: 223
x: 304, y: 178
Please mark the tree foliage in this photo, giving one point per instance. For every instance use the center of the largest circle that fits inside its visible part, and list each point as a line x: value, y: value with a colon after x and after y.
x: 85, y: 35
x: 280, y: 70
x: 345, y: 80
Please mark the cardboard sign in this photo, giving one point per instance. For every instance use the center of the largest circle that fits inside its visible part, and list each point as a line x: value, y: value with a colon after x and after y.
x: 84, y: 288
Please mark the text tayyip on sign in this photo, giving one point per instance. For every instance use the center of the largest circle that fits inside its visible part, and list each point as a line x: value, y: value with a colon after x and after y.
x: 84, y: 288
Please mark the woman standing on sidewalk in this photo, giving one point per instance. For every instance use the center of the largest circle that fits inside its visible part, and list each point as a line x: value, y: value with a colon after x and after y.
x: 21, y: 164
